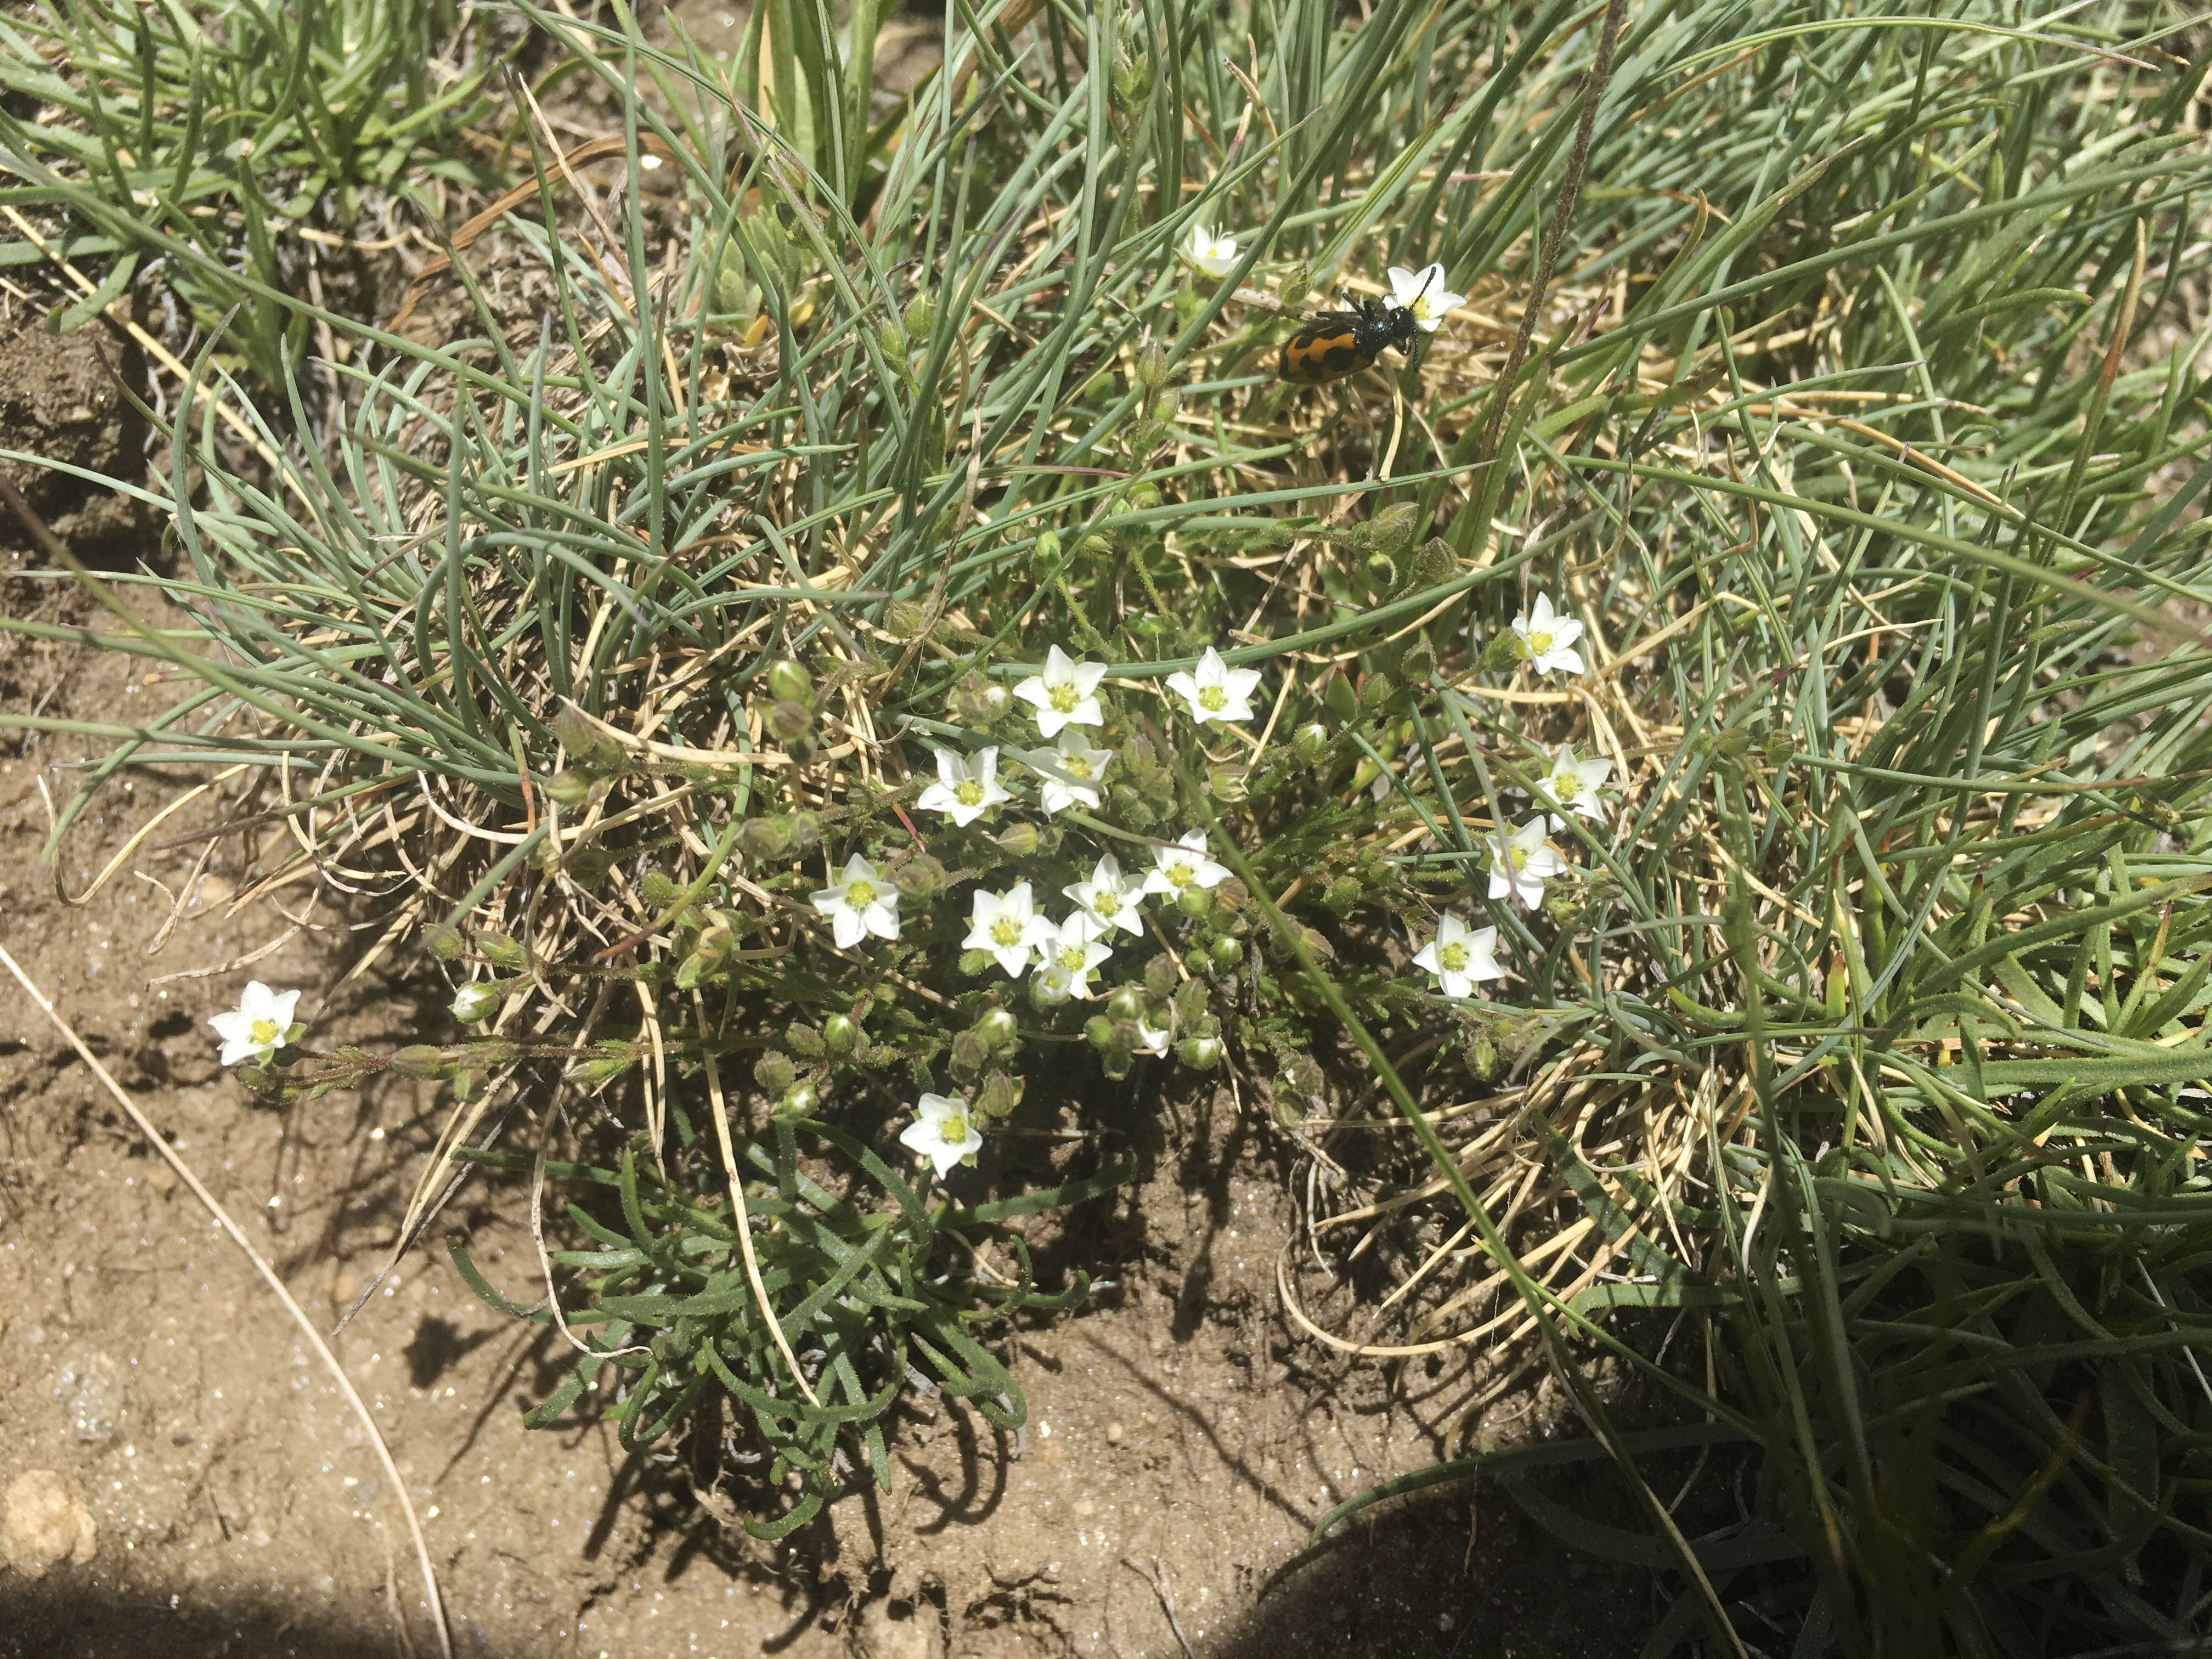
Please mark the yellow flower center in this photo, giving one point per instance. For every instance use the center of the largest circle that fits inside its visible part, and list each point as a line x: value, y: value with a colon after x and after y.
x: 1063, y: 697
x: 1538, y: 644
x: 967, y: 793
x: 1069, y: 958
x: 1452, y: 956
x: 265, y: 1033
x: 859, y: 895
x: 952, y: 1129
x: 1104, y: 905
x: 1519, y: 856
x: 1180, y: 874
x: 1006, y: 931
x: 1213, y: 699
x: 1076, y: 767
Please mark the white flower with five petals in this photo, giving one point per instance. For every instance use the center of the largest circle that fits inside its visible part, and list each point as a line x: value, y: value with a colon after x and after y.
x: 1008, y: 926
x: 1214, y: 255
x: 1184, y: 866
x: 1109, y: 898
x: 1572, y: 784
x: 1064, y: 693
x: 1071, y: 954
x: 256, y: 1026
x: 1459, y: 955
x: 862, y: 903
x: 1071, y: 775
x: 1217, y: 691
x: 1520, y: 863
x: 964, y: 788
x: 1422, y: 293
x: 942, y: 1132
x: 1550, y: 637
x: 1151, y: 1039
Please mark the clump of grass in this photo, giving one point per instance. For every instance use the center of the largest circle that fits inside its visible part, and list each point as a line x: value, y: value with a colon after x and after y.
x: 224, y: 129
x: 1809, y: 370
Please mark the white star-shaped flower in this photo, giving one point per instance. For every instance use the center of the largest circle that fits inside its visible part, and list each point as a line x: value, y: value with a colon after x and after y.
x: 862, y: 903
x: 1065, y: 692
x: 256, y: 1026
x: 964, y: 788
x: 1151, y: 1039
x: 1459, y: 955
x: 1217, y: 691
x: 1184, y: 864
x: 1214, y: 255
x: 1520, y: 863
x: 1422, y: 293
x: 1572, y: 784
x: 1071, y: 775
x: 1073, y: 951
x: 941, y: 1132
x: 1109, y: 897
x: 1550, y: 638
x: 1008, y: 926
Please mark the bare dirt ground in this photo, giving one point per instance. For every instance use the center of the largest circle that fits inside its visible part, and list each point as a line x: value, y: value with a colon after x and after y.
x: 1181, y: 1442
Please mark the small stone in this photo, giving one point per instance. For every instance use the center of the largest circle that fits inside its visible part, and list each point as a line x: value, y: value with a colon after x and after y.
x: 1084, y: 1509
x: 1115, y: 1434
x: 161, y: 1179
x: 43, y: 1523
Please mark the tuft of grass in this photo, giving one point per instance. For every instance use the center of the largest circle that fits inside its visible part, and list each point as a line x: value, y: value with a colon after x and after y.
x: 1823, y: 367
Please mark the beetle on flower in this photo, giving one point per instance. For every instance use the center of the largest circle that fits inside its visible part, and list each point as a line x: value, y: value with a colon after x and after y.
x: 1423, y: 294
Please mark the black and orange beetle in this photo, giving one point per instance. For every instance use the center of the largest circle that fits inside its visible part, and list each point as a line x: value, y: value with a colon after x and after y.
x: 1336, y: 343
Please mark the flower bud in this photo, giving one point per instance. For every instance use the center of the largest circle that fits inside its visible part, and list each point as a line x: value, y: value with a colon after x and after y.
x: 1046, y: 992
x: 1160, y: 977
x: 1227, y: 783
x: 1164, y: 406
x: 1227, y: 951
x: 1296, y: 283
x: 1376, y: 689
x: 445, y: 944
x: 765, y: 838
x: 659, y: 890
x: 920, y: 877
x: 919, y: 316
x: 892, y: 338
x: 419, y: 1059
x: 787, y: 721
x: 970, y: 1054
x: 789, y: 683
x: 1044, y: 557
x: 1018, y: 840
x: 1127, y: 1002
x: 1311, y: 741
x: 803, y: 1039
x: 1000, y: 1095
x: 568, y: 789
x: 839, y: 1034
x: 906, y: 620
x: 1098, y: 1031
x: 479, y: 1000
x: 1436, y: 563
x: 774, y: 1073
x: 977, y: 699
x: 587, y: 741
x: 1342, y: 895
x: 502, y: 953
x: 806, y: 830
x: 973, y: 963
x: 1418, y: 664
x: 1151, y: 367
x: 1194, y: 901
x: 999, y: 1028
x: 798, y: 1101
x: 1382, y: 574
x: 1200, y: 1053
x: 1503, y: 651
x: 587, y: 867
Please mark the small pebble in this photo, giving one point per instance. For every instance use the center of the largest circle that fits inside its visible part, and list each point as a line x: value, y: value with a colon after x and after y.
x: 1115, y: 1434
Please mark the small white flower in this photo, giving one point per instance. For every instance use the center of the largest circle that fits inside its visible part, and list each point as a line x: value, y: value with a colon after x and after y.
x: 1073, y: 951
x: 1151, y: 1039
x: 256, y: 1026
x: 478, y: 999
x: 1216, y: 692
x: 1422, y: 293
x: 1520, y: 863
x: 1008, y: 926
x: 1109, y: 897
x: 1214, y: 255
x: 862, y: 903
x: 1184, y: 864
x: 964, y: 788
x: 1572, y: 784
x: 1065, y: 692
x: 941, y: 1132
x: 1550, y: 638
x: 1070, y: 776
x: 1459, y: 955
